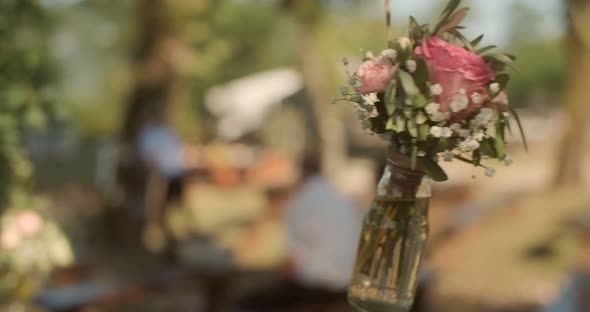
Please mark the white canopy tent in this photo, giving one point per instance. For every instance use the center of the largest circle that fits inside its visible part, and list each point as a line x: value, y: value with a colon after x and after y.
x: 241, y: 105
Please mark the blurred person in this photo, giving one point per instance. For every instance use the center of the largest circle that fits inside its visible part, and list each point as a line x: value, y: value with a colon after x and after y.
x: 322, y: 231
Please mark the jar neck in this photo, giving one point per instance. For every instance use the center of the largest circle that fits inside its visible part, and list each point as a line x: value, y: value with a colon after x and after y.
x: 400, y: 180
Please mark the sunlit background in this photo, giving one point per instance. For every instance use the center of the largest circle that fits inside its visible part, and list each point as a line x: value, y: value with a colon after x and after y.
x: 154, y: 152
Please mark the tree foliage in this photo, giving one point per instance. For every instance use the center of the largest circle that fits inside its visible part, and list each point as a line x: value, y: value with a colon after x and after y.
x: 26, y: 95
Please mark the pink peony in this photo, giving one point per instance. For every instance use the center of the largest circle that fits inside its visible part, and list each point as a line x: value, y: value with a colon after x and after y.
x: 461, y: 73
x: 375, y: 75
x: 29, y: 223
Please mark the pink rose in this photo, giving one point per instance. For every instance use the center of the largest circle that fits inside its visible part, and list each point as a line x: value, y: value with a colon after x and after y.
x: 29, y: 223
x: 375, y: 75
x: 463, y: 75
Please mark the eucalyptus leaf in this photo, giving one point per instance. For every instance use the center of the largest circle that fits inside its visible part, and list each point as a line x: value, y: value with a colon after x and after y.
x: 421, y: 117
x: 423, y: 132
x: 408, y: 83
x: 413, y: 127
x: 390, y: 125
x: 400, y: 123
x: 390, y: 98
x: 414, y: 156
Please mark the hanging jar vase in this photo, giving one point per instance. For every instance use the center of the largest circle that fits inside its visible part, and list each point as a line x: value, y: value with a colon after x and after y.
x: 393, y: 240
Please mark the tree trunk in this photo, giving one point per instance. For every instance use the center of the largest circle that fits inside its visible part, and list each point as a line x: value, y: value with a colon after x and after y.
x: 327, y: 122
x: 576, y: 99
x: 152, y: 96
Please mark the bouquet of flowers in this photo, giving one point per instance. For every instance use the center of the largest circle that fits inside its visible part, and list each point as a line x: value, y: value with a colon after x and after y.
x: 434, y: 95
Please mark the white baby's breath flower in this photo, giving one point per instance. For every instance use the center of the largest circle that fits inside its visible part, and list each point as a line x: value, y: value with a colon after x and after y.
x: 370, y: 99
x: 432, y: 108
x: 490, y: 172
x: 411, y: 66
x: 462, y: 91
x: 508, y: 160
x: 483, y: 118
x: 476, y: 98
x: 506, y: 114
x: 460, y: 104
x: 372, y: 113
x: 464, y: 133
x: 448, y: 156
x: 436, y: 131
x: 390, y: 53
x: 441, y: 132
x: 447, y: 132
x: 495, y: 87
x: 469, y: 145
x: 436, y: 89
x: 455, y: 126
x: 370, y: 54
x: 421, y: 153
x: 479, y: 135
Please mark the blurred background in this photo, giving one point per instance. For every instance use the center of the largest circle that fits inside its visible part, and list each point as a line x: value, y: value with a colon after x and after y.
x: 183, y: 155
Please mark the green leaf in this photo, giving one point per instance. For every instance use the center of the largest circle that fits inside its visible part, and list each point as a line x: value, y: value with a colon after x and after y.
x: 502, y: 80
x: 390, y: 98
x: 485, y: 49
x: 423, y: 132
x: 412, y: 127
x: 499, y: 57
x: 476, y: 158
x: 450, y: 8
x: 400, y: 123
x: 434, y: 171
x: 462, y: 38
x: 487, y: 147
x: 453, y: 21
x: 519, y: 123
x: 414, y: 156
x: 421, y: 76
x: 500, y: 142
x: 442, y: 146
x: 476, y: 41
x: 408, y: 83
x: 415, y: 31
x: 421, y: 117
x: 390, y: 125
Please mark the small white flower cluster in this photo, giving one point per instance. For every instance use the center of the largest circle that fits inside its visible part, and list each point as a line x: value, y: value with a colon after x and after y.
x: 367, y: 109
x: 390, y: 53
x: 433, y: 110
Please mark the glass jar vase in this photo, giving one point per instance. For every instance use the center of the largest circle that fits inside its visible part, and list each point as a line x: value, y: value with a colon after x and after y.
x: 393, y: 240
